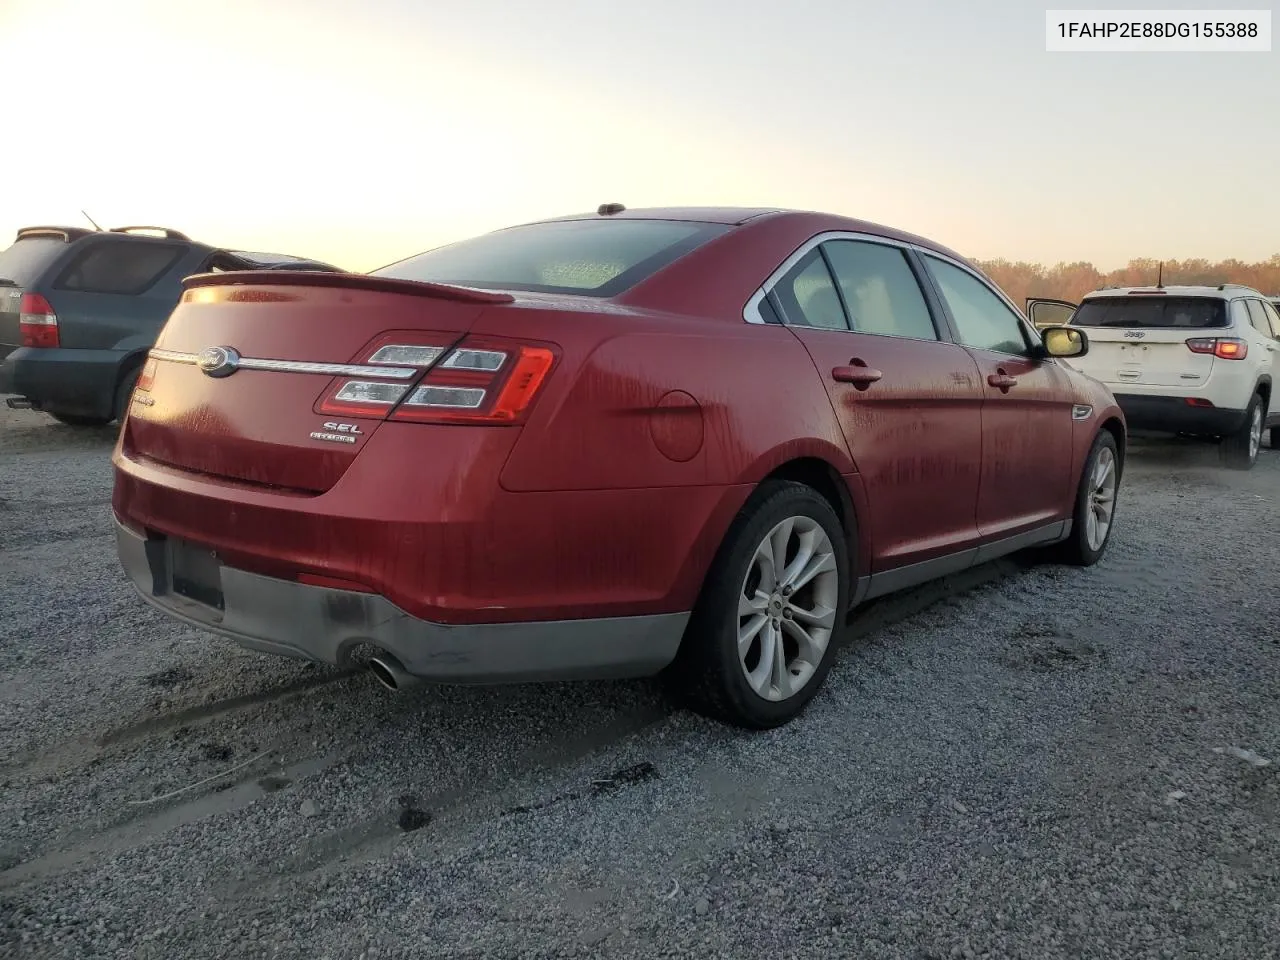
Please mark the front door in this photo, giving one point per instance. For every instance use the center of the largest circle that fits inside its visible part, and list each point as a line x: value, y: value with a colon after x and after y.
x: 909, y: 403
x: 1027, y: 428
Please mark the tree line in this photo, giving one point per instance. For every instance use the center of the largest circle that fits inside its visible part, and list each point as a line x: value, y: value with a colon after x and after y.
x: 1071, y: 281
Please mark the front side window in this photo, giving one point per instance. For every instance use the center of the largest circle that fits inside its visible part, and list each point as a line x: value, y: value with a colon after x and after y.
x: 983, y: 321
x: 808, y: 295
x: 599, y: 258
x: 880, y: 290
x: 126, y: 266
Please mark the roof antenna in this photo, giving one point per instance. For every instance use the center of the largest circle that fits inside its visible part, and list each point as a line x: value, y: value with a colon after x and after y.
x: 1160, y: 277
x: 91, y: 220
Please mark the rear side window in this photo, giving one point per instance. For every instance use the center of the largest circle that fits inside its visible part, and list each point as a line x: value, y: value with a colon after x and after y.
x: 1273, y: 315
x: 808, y: 295
x: 1258, y: 317
x: 24, y: 261
x: 590, y: 257
x: 880, y: 290
x: 1152, y: 311
x: 119, y: 267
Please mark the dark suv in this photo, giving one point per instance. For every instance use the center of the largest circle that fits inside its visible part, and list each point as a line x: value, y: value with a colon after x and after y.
x: 79, y: 309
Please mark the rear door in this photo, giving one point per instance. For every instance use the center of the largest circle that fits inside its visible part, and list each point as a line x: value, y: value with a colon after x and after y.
x: 1141, y: 339
x: 1026, y: 414
x: 21, y: 266
x: 116, y: 292
x: 1049, y: 313
x: 909, y: 403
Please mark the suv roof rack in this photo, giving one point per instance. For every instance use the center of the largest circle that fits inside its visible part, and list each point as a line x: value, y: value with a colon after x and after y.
x: 1223, y: 286
x: 67, y: 234
x: 168, y: 234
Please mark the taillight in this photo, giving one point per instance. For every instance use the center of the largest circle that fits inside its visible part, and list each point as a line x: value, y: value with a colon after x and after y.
x: 147, y: 376
x: 1224, y: 348
x: 37, y: 323
x: 480, y: 380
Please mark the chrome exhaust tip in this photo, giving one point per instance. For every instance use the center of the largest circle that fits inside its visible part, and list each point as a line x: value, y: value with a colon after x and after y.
x: 388, y: 672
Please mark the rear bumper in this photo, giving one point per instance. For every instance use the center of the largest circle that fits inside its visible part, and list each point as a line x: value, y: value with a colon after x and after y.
x: 1175, y: 415
x: 323, y: 624
x: 64, y: 381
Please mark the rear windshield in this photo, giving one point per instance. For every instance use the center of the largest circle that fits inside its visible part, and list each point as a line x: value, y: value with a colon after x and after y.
x: 591, y: 257
x: 26, y: 259
x: 1153, y: 311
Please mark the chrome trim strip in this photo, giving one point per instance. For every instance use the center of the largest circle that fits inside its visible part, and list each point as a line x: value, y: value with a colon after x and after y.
x: 299, y: 366
x: 751, y: 312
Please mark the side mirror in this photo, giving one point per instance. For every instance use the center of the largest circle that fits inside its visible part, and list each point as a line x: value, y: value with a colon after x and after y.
x: 1064, y: 342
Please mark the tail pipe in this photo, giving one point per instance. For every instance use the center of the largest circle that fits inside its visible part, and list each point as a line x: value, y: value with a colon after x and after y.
x: 389, y: 672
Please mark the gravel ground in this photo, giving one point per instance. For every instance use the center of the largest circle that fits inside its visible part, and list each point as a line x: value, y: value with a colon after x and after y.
x: 1036, y: 762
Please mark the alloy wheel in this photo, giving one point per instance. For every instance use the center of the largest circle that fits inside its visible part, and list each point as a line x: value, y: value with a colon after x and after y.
x: 1101, y: 499
x: 787, y: 608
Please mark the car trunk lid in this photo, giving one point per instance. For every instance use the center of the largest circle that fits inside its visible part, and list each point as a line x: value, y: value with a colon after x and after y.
x: 236, y: 384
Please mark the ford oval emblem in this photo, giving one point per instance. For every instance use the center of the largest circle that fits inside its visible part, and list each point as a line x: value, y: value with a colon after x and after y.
x: 218, y: 361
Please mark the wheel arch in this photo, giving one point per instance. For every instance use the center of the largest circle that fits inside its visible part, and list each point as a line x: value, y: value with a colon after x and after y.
x: 842, y: 491
x: 1118, y: 433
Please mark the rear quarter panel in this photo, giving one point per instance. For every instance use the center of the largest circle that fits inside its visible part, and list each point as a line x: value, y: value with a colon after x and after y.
x: 675, y: 404
x: 669, y: 411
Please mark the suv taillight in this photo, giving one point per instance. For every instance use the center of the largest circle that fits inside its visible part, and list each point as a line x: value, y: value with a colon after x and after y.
x: 480, y: 380
x: 1224, y: 348
x: 37, y: 323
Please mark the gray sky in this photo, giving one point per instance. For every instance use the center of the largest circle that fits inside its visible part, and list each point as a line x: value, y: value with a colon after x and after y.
x: 363, y: 131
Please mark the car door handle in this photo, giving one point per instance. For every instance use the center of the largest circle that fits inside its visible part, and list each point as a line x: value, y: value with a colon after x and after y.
x: 1002, y: 381
x: 857, y: 373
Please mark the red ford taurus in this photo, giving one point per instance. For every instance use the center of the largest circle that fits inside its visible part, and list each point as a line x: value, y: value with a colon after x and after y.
x: 604, y: 446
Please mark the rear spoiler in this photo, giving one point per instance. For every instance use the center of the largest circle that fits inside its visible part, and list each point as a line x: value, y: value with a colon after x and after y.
x: 349, y: 281
x: 65, y: 234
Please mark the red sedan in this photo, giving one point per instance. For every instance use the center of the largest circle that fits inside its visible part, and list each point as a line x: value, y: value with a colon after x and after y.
x: 687, y: 441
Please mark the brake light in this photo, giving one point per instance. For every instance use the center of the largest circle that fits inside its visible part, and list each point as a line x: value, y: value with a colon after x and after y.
x: 480, y: 380
x: 1224, y: 348
x: 37, y: 323
x: 147, y: 376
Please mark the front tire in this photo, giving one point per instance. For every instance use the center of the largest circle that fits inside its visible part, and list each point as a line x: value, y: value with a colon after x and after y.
x: 1275, y: 438
x: 1095, y: 509
x: 764, y: 630
x: 1240, y: 450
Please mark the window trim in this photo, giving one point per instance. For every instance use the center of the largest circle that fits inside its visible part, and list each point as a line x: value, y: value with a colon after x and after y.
x: 942, y: 327
x: 178, y: 250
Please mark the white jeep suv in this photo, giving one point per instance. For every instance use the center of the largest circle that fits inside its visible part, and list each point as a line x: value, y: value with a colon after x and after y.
x: 1199, y: 361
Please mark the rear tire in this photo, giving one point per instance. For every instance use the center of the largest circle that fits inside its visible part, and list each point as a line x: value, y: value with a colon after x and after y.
x: 1240, y: 450
x: 760, y: 642
x: 76, y: 420
x: 1095, y: 505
